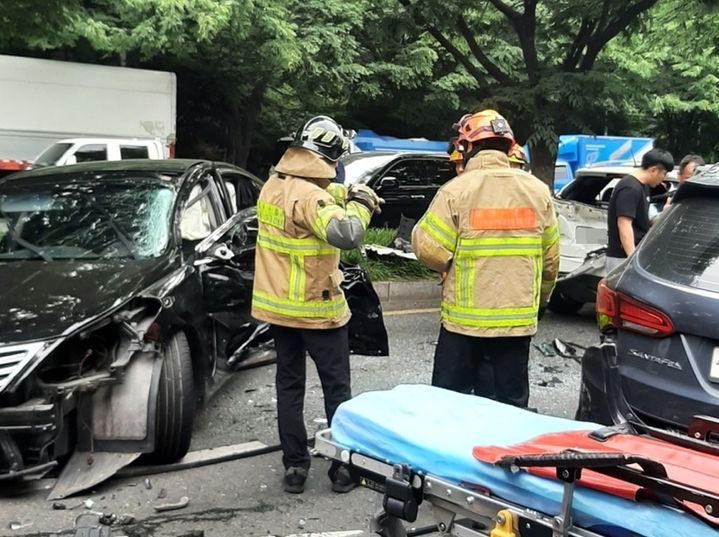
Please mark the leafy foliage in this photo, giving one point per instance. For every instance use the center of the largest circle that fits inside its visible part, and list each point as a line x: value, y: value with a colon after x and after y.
x: 674, y: 69
x: 250, y: 71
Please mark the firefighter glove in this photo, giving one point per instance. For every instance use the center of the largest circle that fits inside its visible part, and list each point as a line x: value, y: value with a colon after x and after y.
x: 366, y: 196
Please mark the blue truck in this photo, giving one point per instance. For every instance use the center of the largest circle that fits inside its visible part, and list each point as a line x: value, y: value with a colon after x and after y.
x: 368, y: 140
x: 582, y: 150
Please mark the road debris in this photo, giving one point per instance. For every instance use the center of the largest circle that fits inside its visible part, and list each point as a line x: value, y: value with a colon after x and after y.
x: 204, y: 457
x: 162, y: 494
x: 193, y: 533
x: 59, y: 506
x: 88, y: 504
x: 148, y: 484
x: 181, y: 504
x: 126, y: 519
x: 567, y: 349
x: 108, y: 519
x: 17, y: 526
x: 554, y: 381
x: 546, y: 349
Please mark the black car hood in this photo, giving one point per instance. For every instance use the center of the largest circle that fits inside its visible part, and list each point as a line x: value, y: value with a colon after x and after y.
x: 41, y: 300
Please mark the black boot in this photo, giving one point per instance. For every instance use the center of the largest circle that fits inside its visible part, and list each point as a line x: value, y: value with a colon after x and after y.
x: 295, y: 478
x: 342, y: 480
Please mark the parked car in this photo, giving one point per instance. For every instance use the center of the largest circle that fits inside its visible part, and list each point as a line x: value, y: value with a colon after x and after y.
x: 407, y: 181
x: 582, y: 215
x: 659, y: 314
x: 125, y: 287
x: 78, y: 150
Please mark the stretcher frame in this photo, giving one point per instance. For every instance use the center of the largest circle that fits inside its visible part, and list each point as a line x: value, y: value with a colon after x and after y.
x: 453, y: 504
x: 459, y: 510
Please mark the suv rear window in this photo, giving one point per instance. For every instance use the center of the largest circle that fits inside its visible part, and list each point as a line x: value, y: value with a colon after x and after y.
x: 587, y: 187
x: 684, y: 248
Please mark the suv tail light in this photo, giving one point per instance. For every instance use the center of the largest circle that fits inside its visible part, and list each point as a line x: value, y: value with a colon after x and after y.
x: 618, y: 311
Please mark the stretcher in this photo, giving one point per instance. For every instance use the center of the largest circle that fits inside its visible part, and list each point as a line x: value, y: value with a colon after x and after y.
x: 489, y: 469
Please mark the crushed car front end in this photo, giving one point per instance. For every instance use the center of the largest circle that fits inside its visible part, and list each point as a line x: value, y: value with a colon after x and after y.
x: 51, y: 389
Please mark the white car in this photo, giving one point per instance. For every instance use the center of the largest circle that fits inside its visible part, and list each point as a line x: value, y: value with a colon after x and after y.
x: 77, y: 150
x: 582, y: 215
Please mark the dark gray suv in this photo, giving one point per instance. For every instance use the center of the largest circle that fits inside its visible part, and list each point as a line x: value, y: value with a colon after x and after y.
x: 659, y: 314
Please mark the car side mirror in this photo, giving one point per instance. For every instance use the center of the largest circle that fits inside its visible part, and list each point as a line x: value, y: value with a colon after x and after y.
x: 70, y: 160
x: 388, y: 183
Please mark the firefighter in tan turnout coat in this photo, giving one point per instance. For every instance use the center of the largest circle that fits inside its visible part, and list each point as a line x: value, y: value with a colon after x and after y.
x: 493, y: 230
x: 302, y: 229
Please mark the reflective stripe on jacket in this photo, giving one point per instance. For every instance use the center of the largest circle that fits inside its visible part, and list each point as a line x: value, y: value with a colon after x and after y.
x: 297, y: 276
x: 493, y: 230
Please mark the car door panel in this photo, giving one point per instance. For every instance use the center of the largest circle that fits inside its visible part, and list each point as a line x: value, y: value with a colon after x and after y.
x: 229, y: 289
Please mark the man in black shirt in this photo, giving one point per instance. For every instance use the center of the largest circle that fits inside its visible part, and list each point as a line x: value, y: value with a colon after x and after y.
x: 628, y: 219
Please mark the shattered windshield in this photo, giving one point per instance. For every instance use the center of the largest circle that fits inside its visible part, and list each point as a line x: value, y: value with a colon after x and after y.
x: 84, y: 219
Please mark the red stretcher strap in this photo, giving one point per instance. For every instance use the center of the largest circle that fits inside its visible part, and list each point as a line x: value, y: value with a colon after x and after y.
x: 683, y: 465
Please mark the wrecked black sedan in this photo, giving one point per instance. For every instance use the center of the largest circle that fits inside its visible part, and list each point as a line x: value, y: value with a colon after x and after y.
x: 124, y: 288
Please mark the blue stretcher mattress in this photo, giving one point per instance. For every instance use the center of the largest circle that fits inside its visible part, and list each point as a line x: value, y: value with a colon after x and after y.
x: 434, y: 431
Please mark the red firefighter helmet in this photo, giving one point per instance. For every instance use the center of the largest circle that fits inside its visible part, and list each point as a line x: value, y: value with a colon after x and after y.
x: 484, y: 125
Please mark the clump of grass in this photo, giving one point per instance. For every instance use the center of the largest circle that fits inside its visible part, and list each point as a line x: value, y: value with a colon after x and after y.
x: 387, y: 268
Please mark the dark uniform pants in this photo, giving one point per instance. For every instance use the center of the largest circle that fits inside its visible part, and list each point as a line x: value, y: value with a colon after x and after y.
x: 330, y: 351
x: 464, y: 363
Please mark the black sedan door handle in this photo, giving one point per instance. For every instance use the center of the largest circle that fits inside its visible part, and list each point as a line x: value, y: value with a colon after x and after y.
x: 417, y: 196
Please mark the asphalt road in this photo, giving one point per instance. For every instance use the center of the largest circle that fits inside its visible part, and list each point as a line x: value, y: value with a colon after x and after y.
x: 245, y: 497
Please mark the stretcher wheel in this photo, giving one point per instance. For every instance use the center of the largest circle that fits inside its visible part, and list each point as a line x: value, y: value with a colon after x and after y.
x: 387, y: 525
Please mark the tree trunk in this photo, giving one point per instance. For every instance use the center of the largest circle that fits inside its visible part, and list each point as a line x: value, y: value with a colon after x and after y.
x: 243, y: 125
x: 241, y: 133
x: 543, y: 159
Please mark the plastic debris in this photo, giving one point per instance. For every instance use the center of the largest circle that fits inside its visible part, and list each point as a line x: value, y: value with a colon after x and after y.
x: 148, y: 484
x: 566, y: 349
x: 17, y: 526
x: 181, y: 504
x: 546, y: 349
x: 126, y: 519
x: 88, y: 504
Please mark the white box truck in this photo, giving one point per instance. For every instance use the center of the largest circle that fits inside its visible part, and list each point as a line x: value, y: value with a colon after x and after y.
x: 66, y: 112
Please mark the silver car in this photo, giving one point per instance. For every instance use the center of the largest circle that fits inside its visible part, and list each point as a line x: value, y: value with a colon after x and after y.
x: 582, y: 214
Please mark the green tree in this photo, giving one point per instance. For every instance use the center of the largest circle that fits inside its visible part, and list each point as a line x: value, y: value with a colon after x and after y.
x: 36, y: 24
x: 674, y: 68
x: 237, y: 55
x: 536, y: 60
